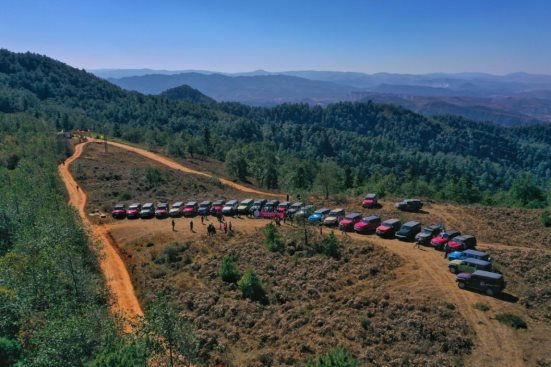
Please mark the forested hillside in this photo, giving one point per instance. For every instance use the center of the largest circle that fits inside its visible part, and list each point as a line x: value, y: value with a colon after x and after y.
x: 296, y: 147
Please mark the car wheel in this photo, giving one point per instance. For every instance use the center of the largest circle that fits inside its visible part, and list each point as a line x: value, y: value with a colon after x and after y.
x: 461, y: 285
x: 490, y: 292
x: 452, y: 270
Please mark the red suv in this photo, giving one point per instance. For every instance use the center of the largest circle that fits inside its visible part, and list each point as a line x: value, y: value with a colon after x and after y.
x: 440, y: 241
x: 217, y: 206
x: 119, y: 211
x: 370, y: 201
x: 368, y: 224
x: 190, y: 209
x: 348, y: 222
x: 133, y: 211
x: 388, y: 228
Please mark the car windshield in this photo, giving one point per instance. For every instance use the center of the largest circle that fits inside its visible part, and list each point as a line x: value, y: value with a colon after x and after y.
x: 367, y: 220
x: 118, y: 207
x: 204, y: 205
x: 405, y: 228
x: 334, y: 214
x: 370, y: 197
x: 190, y: 205
x: 427, y: 230
x: 320, y: 211
x: 133, y: 206
x: 387, y: 224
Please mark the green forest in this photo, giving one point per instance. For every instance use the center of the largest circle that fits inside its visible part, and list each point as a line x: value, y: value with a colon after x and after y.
x: 362, y: 146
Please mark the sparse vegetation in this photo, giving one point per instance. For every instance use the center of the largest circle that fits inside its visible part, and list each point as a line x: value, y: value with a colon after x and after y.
x: 229, y: 271
x: 512, y: 320
x: 481, y: 306
x: 331, y: 246
x: 546, y: 217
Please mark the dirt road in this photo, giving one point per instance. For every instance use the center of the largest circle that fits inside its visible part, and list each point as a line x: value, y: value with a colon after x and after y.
x: 424, y: 272
x: 114, y: 270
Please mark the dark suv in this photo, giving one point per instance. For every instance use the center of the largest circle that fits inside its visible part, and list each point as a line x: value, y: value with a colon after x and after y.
x: 408, y: 230
x: 257, y: 206
x: 428, y: 233
x: 204, y: 207
x: 409, y: 205
x: 148, y: 211
x: 480, y: 280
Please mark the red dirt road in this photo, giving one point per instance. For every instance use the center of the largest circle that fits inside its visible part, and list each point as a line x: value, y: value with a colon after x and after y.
x: 114, y: 270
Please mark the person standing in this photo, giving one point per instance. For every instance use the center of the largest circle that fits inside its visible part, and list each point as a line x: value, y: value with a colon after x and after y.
x: 321, y: 230
x: 191, y: 226
x: 225, y: 227
x: 446, y: 251
x: 231, y: 229
x: 173, y: 224
x: 287, y: 199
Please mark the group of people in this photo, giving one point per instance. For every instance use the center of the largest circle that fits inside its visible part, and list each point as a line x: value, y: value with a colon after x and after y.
x: 211, y: 229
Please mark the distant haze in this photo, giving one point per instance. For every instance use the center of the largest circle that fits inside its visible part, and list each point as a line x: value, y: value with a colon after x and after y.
x: 421, y: 36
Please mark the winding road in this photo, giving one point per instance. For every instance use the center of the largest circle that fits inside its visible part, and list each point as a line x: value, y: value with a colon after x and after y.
x: 424, y: 271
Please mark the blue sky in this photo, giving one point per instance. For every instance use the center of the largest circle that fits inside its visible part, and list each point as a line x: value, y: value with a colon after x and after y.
x: 406, y: 36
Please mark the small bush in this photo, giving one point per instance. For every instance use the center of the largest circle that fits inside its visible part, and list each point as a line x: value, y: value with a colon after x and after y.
x: 271, y: 238
x: 339, y: 357
x: 546, y: 218
x: 9, y: 351
x: 229, y: 272
x: 331, y: 246
x: 481, y: 306
x: 511, y: 320
x: 251, y: 286
x: 172, y: 253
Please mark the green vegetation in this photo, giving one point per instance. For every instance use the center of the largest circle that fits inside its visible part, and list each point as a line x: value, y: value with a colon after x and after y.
x: 251, y: 286
x: 352, y: 147
x: 229, y: 271
x: 546, y: 217
x: 481, y: 306
x: 511, y: 320
x: 338, y: 357
x: 271, y: 238
x: 330, y: 245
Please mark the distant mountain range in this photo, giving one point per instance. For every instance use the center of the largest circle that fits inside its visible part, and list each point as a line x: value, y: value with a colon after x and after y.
x: 511, y: 99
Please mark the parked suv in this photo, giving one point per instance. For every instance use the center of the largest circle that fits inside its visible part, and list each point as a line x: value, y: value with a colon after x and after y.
x: 440, y: 241
x: 319, y: 215
x: 190, y: 209
x: 469, y: 254
x: 349, y: 221
x: 217, y: 206
x: 148, y: 211
x: 176, y: 209
x: 133, y: 211
x: 388, y: 228
x: 409, y: 205
x: 428, y: 233
x: 408, y: 230
x: 370, y: 201
x: 258, y: 204
x: 119, y: 211
x: 304, y: 212
x: 283, y: 206
x: 334, y: 217
x: 204, y: 207
x: 230, y: 208
x: 295, y: 208
x: 271, y: 206
x: 244, y: 206
x: 368, y: 224
x: 161, y: 211
x: 463, y: 242
x: 480, y: 280
x: 469, y: 266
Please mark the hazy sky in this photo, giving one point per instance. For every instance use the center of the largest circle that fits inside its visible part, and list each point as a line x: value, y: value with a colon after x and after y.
x: 407, y: 36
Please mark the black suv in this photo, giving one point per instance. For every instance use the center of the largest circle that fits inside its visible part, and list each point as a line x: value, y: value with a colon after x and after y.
x: 408, y: 230
x: 409, y: 205
x: 428, y: 233
x: 257, y: 206
x: 481, y: 280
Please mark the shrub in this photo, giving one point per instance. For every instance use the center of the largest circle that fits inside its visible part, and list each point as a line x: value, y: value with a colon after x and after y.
x: 271, y: 238
x: 511, y: 320
x: 251, y: 286
x: 338, y: 357
x: 229, y: 272
x: 172, y: 253
x: 154, y: 176
x: 331, y: 246
x: 481, y: 306
x: 546, y: 217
